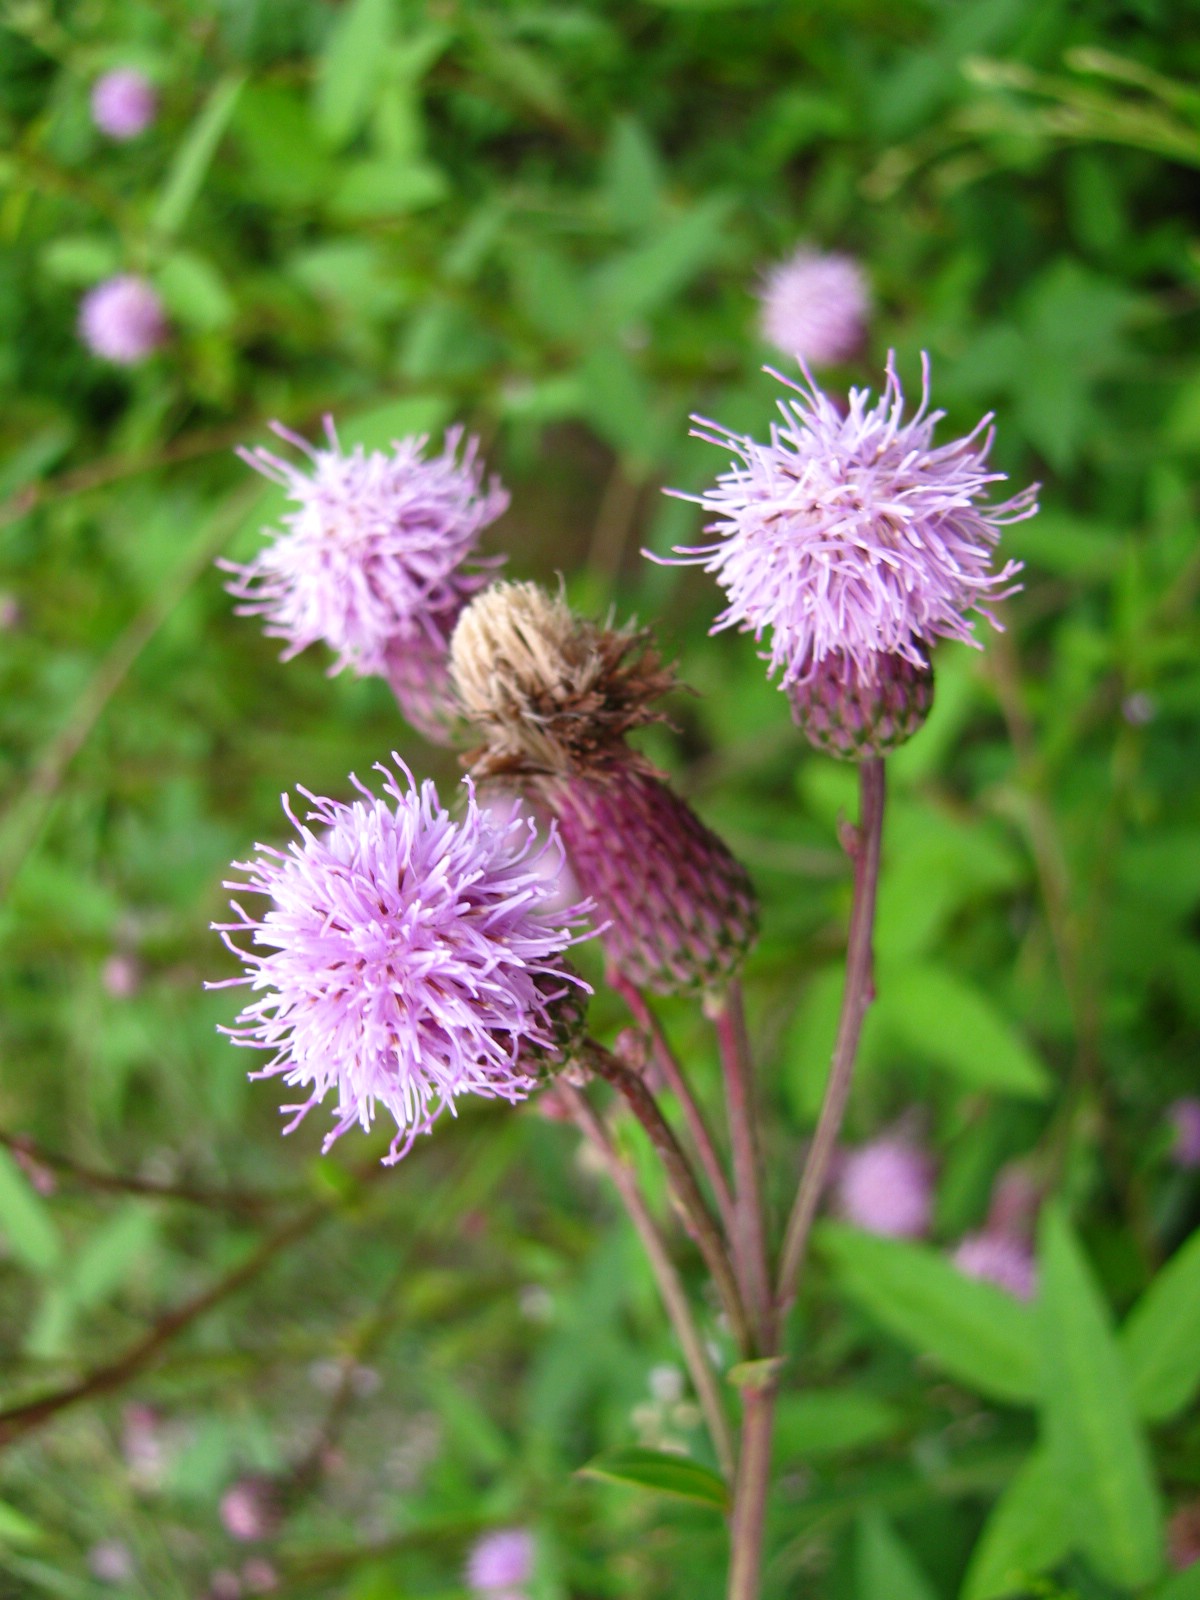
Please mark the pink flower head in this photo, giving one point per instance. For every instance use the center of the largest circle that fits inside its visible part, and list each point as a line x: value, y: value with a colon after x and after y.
x: 124, y: 103
x: 251, y: 1509
x: 999, y: 1258
x: 122, y: 320
x: 886, y: 1187
x: 501, y: 1563
x: 378, y: 558
x: 1185, y: 1119
x: 410, y: 959
x: 853, y: 535
x: 815, y: 306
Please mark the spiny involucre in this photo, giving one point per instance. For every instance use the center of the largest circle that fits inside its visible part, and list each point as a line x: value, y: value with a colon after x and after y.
x: 850, y: 537
x: 377, y: 560
x: 405, y: 958
x: 814, y: 307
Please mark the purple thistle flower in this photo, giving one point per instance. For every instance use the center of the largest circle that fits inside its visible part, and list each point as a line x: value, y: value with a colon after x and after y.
x: 122, y: 320
x: 501, y: 1563
x: 124, y: 103
x: 886, y: 1187
x: 814, y: 307
x: 852, y: 536
x: 410, y: 958
x: 999, y: 1258
x: 1184, y: 1117
x: 377, y: 560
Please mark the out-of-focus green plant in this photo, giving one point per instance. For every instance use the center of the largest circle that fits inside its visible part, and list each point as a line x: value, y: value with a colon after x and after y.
x: 549, y: 222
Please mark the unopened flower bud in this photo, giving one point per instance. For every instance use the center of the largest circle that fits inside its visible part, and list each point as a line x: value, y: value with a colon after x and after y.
x: 850, y: 714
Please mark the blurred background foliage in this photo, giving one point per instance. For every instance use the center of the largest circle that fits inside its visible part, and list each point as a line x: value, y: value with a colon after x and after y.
x: 549, y: 220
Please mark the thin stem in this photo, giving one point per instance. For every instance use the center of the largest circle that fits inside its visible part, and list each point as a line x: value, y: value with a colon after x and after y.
x: 749, y: 1237
x: 753, y: 1489
x: 693, y: 1208
x: 860, y: 991
x: 670, y: 1284
x: 668, y: 1064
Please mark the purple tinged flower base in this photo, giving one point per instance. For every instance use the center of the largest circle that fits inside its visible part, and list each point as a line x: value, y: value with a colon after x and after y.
x: 676, y: 910
x: 852, y: 717
x: 1185, y: 1119
x: 405, y: 959
x: 122, y: 320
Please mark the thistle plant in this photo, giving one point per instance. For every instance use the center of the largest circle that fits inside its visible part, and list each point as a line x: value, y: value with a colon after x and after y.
x: 408, y: 958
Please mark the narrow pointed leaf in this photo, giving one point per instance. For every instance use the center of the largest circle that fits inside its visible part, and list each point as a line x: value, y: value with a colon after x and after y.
x: 1161, y: 1337
x: 885, y: 1566
x: 1027, y: 1533
x: 976, y: 1332
x: 1088, y: 1418
x: 666, y: 1474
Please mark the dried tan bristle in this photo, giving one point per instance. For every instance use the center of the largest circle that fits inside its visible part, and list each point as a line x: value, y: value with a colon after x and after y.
x: 549, y: 691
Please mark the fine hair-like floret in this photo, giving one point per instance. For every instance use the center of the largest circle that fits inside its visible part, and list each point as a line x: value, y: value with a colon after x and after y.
x: 852, y: 534
x: 405, y: 958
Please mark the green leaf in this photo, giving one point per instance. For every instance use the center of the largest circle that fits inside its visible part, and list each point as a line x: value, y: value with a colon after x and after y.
x: 885, y: 1567
x: 195, y: 292
x: 80, y: 258
x: 386, y: 188
x: 940, y: 1016
x: 194, y: 157
x: 1161, y: 1337
x: 25, y: 1219
x: 378, y: 427
x: 350, y: 69
x: 16, y: 1529
x: 827, y: 1422
x: 1088, y: 1417
x: 637, y: 283
x: 977, y: 1333
x: 666, y: 1474
x: 1026, y: 1533
x: 1183, y: 1585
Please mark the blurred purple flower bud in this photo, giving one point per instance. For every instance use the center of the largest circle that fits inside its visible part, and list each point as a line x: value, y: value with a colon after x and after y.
x: 1184, y: 1116
x: 1000, y: 1259
x: 110, y: 1561
x: 815, y: 307
x: 124, y: 103
x: 886, y: 1187
x: 500, y: 1563
x: 122, y: 320
x: 250, y: 1509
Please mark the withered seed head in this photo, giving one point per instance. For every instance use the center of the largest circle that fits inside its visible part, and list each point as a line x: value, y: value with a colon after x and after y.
x: 551, y: 693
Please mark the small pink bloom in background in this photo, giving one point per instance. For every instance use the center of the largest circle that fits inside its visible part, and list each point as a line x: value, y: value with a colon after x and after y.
x: 124, y: 103
x: 121, y: 976
x: 10, y: 612
x: 122, y: 320
x: 39, y: 1174
x: 1016, y: 1199
x: 224, y: 1585
x: 259, y: 1576
x: 250, y: 1509
x: 144, y: 1446
x: 110, y: 1561
x: 1001, y: 1259
x: 1185, y: 1119
x: 815, y: 307
x: 501, y: 1564
x: 886, y: 1187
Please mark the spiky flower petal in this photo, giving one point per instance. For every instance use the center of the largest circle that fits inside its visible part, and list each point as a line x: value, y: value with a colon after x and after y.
x: 410, y: 959
x: 814, y: 307
x: 852, y: 535
x: 553, y: 696
x: 377, y: 560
